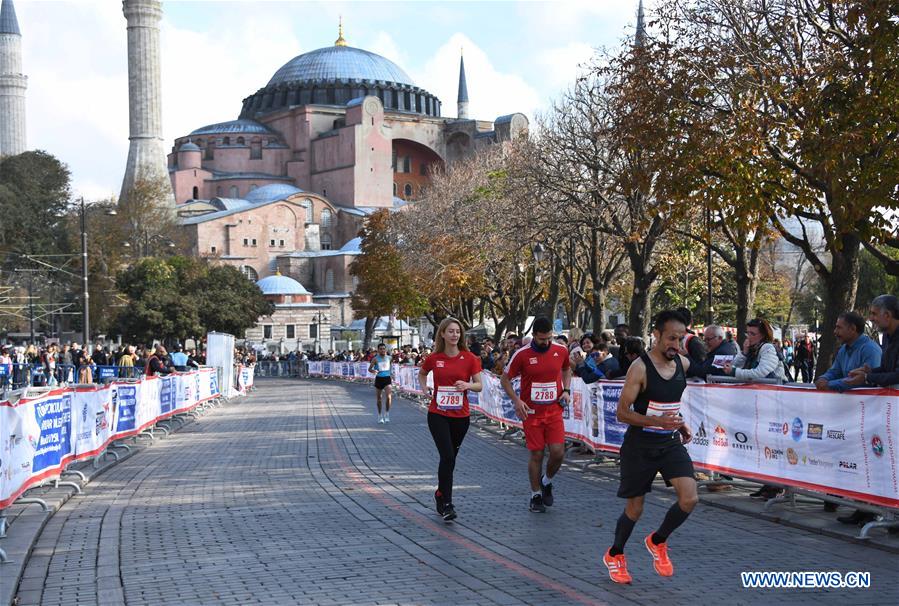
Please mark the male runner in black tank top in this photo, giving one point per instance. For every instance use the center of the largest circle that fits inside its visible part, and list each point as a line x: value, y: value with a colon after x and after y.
x: 654, y: 443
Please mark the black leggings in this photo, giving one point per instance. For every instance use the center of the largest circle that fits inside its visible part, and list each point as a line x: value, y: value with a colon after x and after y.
x: 448, y: 433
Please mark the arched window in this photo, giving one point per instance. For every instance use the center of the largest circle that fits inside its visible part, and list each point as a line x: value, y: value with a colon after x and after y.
x: 307, y: 204
x: 219, y: 191
x: 196, y: 193
x: 234, y: 192
x: 326, y: 218
x: 329, y: 280
x: 253, y: 186
x: 250, y: 273
x: 326, y: 241
x: 226, y: 141
x: 241, y: 141
x: 407, y: 190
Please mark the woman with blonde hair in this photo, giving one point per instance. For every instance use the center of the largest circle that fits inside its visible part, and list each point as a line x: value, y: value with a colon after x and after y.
x: 456, y: 372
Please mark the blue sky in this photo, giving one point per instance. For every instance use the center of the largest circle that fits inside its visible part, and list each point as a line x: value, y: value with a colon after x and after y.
x: 518, y: 56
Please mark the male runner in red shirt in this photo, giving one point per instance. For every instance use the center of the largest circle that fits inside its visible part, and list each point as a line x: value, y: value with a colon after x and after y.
x: 545, y: 373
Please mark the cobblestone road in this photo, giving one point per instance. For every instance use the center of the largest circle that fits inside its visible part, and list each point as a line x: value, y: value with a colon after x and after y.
x: 297, y: 495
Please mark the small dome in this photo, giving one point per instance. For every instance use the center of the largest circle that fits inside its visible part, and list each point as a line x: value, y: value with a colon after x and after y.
x: 354, y: 245
x: 189, y: 147
x: 281, y: 285
x: 272, y: 192
x: 340, y: 63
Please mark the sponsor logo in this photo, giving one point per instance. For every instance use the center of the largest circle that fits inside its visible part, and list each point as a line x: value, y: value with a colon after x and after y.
x: 701, y: 438
x: 555, y: 354
x: 819, y: 463
x: 720, y: 438
x: 848, y: 465
x: 815, y: 431
x: 440, y: 363
x: 792, y: 457
x: 532, y: 360
x: 773, y: 453
x: 836, y: 434
x: 741, y: 441
x: 84, y: 413
x: 776, y: 427
x: 877, y: 445
x: 797, y: 429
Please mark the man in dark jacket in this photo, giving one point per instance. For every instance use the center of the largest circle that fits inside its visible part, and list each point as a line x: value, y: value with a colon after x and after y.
x: 804, y: 358
x: 720, y: 351
x: 156, y: 363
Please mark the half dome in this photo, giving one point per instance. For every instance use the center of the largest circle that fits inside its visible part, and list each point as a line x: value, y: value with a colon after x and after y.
x: 271, y: 193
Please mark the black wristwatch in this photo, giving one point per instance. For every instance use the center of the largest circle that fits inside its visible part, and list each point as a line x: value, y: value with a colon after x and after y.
x: 568, y: 390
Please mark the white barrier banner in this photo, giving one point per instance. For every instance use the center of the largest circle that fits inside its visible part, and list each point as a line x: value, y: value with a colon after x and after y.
x: 245, y: 378
x: 40, y: 436
x: 843, y: 444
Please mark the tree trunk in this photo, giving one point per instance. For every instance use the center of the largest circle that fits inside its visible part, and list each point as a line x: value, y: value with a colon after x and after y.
x: 639, y: 312
x: 841, y: 284
x: 369, y: 332
x: 599, y: 309
x: 746, y: 275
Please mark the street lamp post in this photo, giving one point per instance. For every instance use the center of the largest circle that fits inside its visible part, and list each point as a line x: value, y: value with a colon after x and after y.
x: 85, y: 295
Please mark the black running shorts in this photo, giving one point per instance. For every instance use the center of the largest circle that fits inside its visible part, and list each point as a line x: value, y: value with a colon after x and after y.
x: 639, y: 466
x: 382, y: 382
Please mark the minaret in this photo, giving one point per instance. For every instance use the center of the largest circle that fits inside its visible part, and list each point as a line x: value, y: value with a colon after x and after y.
x: 146, y: 154
x: 640, y: 38
x: 462, y: 101
x: 12, y: 83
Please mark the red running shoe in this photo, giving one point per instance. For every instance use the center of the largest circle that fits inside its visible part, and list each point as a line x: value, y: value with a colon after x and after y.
x: 617, y: 566
x: 660, y: 559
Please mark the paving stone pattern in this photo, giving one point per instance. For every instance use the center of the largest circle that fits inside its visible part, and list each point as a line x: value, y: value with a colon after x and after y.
x: 296, y: 495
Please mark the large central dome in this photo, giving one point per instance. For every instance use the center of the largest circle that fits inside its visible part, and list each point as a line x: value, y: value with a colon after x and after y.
x: 336, y: 75
x: 340, y: 63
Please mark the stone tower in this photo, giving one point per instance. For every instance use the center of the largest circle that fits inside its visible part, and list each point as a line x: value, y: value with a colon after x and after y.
x: 462, y: 100
x: 146, y: 153
x: 12, y: 83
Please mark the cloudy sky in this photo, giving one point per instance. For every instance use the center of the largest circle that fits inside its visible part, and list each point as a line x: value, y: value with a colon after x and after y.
x: 518, y: 56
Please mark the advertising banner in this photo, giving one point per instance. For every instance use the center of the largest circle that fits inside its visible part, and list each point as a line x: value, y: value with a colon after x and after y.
x: 39, y: 436
x: 844, y: 444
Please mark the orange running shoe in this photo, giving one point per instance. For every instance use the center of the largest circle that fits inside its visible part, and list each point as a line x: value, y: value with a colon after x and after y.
x: 660, y: 559
x: 617, y: 566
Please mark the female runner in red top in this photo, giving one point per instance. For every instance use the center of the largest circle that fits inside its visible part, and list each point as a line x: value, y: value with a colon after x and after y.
x: 456, y: 372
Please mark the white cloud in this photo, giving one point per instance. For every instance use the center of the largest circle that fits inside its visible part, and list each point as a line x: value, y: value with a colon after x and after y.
x: 561, y: 66
x: 206, y: 75
x: 384, y: 45
x: 491, y: 93
x: 77, y: 99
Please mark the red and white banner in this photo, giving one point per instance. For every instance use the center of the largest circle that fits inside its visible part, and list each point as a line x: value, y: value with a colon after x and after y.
x: 40, y: 436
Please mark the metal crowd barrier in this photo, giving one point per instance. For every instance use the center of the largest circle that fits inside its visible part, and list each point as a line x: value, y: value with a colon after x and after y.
x: 19, y: 376
x: 281, y: 368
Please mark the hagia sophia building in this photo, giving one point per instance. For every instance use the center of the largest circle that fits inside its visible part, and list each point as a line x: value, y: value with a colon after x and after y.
x: 281, y: 191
